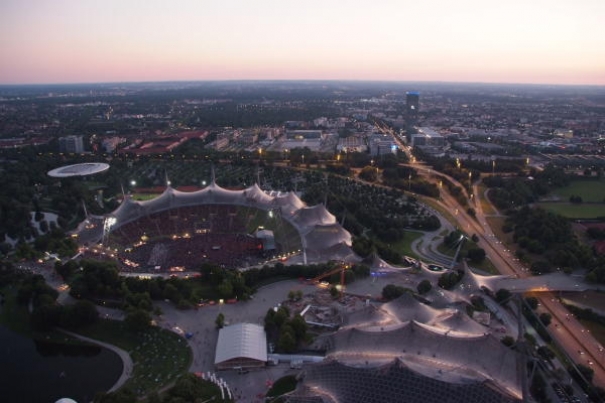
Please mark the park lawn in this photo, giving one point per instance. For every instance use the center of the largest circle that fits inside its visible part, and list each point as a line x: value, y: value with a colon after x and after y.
x: 439, y: 208
x: 404, y: 246
x: 577, y: 210
x: 590, y: 190
x: 144, y: 196
x: 496, y: 223
x: 485, y: 266
x: 486, y: 206
x: 159, y: 356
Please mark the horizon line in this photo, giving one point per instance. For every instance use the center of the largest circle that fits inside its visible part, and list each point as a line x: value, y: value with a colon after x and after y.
x: 250, y: 80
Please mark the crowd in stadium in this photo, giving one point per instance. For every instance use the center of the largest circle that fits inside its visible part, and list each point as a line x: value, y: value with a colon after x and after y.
x: 186, y: 237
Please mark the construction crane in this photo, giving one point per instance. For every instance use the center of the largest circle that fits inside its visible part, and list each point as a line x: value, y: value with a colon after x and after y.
x: 342, y: 268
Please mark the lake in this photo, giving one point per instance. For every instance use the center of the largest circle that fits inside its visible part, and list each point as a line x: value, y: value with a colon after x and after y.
x: 33, y: 371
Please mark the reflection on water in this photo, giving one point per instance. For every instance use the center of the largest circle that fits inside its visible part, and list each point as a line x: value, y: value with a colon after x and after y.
x: 33, y: 371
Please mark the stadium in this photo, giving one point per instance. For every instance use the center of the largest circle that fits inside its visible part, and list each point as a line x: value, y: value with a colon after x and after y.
x: 406, y: 351
x: 235, y: 228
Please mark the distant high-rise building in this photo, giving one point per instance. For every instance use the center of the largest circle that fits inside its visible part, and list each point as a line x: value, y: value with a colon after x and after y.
x: 412, y: 105
x: 71, y: 144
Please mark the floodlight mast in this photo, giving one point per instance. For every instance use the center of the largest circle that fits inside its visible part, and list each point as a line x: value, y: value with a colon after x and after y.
x: 455, y: 259
x: 107, y: 224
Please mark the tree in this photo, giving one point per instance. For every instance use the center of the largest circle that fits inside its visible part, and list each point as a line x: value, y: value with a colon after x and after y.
x: 586, y: 372
x: 392, y: 291
x: 45, y: 317
x: 363, y: 246
x: 424, y: 286
x: 81, y: 313
x: 449, y: 279
x: 503, y: 295
x: 225, y: 289
x: 220, y: 320
x: 476, y: 255
x: 508, y: 341
x: 532, y: 302
x: 299, y: 326
x: 545, y: 352
x: 270, y: 320
x: 369, y: 173
x: 286, y: 342
x: 294, y: 295
x: 281, y: 316
x: 137, y: 320
x: 545, y: 318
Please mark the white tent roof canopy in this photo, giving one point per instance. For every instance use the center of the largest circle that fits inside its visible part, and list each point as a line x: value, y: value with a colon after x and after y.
x: 241, y: 340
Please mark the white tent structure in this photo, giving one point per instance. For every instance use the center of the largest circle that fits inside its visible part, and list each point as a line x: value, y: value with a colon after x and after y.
x: 241, y: 345
x: 321, y: 234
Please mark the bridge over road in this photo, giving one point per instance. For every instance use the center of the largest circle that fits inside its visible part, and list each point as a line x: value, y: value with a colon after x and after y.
x: 547, y: 282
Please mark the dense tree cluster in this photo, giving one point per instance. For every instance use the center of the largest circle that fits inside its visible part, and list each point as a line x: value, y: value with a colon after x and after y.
x: 424, y: 286
x: 96, y: 280
x: 513, y: 192
x: 288, y: 331
x: 365, y: 247
x: 449, y: 279
x: 503, y: 296
x: 385, y: 212
x: 550, y: 235
x: 47, y: 313
x: 188, y: 388
x: 392, y: 291
x: 448, y: 165
x: 406, y: 178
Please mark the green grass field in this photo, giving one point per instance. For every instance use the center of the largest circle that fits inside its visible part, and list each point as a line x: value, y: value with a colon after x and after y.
x: 570, y: 210
x: 159, y: 356
x: 592, y: 191
x: 486, y: 206
x: 144, y: 196
x: 404, y: 246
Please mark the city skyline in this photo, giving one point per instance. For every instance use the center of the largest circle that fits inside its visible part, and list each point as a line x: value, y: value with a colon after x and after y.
x: 67, y: 41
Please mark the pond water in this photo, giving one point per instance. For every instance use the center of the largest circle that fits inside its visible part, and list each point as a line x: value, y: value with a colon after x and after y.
x: 33, y: 371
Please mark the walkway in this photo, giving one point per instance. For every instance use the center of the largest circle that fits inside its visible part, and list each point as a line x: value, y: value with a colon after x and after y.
x: 124, y: 356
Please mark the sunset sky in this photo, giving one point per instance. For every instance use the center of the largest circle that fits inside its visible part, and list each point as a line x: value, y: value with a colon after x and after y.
x: 517, y: 41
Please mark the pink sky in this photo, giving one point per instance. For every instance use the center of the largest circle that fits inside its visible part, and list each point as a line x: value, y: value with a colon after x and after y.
x: 537, y: 41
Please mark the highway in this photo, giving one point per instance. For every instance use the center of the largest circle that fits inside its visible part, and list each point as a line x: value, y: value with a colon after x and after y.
x: 577, y: 341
